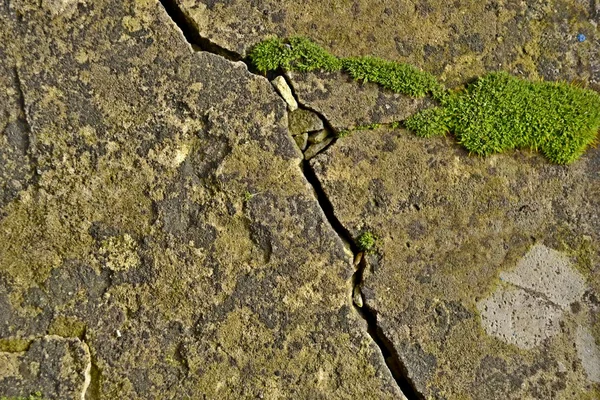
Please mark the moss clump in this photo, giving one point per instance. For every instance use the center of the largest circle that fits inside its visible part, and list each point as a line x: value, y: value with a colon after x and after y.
x: 366, y: 241
x: 500, y: 112
x: 299, y: 54
x: 397, y: 77
x: 343, y: 133
x: 14, y: 345
x: 429, y: 122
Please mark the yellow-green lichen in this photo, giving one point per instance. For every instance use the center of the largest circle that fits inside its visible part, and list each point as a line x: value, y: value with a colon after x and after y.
x: 119, y: 253
x: 67, y: 327
x: 14, y: 345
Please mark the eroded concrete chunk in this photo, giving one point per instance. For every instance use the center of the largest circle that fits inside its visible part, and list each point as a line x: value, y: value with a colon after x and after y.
x: 589, y: 353
x: 527, y: 309
x: 52, y: 367
x: 550, y: 274
x: 519, y: 317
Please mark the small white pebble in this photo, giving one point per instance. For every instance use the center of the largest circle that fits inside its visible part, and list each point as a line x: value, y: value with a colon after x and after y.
x: 118, y: 333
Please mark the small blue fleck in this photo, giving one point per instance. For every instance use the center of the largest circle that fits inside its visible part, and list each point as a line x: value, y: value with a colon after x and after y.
x: 581, y: 37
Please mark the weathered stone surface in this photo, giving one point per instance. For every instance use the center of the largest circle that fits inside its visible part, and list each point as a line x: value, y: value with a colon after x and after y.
x: 456, y: 40
x: 301, y: 141
x: 170, y: 227
x: 314, y: 149
x: 57, y: 367
x: 486, y: 272
x: 15, y: 165
x: 347, y: 104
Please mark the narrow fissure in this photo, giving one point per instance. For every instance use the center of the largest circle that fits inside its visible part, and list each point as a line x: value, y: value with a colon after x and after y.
x: 390, y: 355
x: 392, y: 360
x: 192, y: 34
x: 326, y: 123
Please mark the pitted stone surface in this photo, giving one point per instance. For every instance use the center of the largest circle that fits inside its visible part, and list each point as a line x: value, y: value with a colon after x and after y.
x: 519, y: 317
x: 528, y: 308
x: 589, y: 354
x: 548, y: 273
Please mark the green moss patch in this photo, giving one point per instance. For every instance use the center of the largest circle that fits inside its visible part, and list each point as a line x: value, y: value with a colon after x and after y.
x: 499, y: 112
x: 496, y: 113
x: 301, y: 54
x: 397, y: 77
x: 298, y: 54
x: 366, y: 241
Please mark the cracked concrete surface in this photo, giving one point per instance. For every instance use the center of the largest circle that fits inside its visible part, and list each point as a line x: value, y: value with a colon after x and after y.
x: 157, y: 216
x: 170, y: 226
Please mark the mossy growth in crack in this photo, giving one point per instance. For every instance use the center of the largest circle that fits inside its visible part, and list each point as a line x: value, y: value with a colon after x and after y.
x: 397, y: 77
x: 496, y: 113
x: 299, y: 54
x: 366, y: 242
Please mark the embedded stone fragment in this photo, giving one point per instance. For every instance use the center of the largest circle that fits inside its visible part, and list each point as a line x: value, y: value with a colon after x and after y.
x: 284, y: 90
x: 301, y: 121
x: 314, y: 149
x: 301, y: 141
x: 318, y: 137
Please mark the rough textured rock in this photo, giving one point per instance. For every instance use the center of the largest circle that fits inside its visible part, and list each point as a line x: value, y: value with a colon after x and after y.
x: 486, y: 272
x: 314, y: 149
x: 170, y: 226
x: 285, y: 91
x: 302, y: 121
x: 456, y: 40
x: 15, y: 164
x: 347, y: 104
x: 56, y: 367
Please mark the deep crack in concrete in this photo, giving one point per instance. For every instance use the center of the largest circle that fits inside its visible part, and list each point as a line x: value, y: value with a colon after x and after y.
x: 392, y: 360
